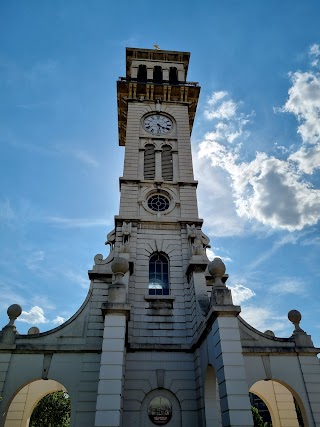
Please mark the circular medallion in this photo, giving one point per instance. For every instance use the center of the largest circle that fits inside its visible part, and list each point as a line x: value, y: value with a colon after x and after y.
x: 158, y: 202
x: 157, y: 124
x: 160, y: 411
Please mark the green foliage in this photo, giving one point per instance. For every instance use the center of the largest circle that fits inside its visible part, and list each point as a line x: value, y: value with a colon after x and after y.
x: 257, y: 419
x: 53, y: 410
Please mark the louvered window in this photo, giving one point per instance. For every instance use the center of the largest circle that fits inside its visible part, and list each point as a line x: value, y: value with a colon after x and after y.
x: 142, y: 73
x: 158, y: 275
x: 149, y: 162
x: 166, y: 160
x: 173, y: 75
x: 157, y: 74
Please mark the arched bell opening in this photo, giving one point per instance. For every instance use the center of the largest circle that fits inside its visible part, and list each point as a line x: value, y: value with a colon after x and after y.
x: 284, y: 405
x: 212, y: 399
x: 25, y: 400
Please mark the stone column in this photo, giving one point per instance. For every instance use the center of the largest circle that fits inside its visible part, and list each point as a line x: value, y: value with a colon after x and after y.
x: 175, y: 165
x: 158, y: 174
x: 109, y: 399
x: 116, y: 312
x: 309, y: 366
x: 226, y: 355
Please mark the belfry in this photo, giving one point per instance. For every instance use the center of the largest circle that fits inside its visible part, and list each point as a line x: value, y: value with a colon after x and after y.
x: 158, y: 340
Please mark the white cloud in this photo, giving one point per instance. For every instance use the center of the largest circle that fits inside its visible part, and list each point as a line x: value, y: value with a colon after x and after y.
x: 304, y: 103
x: 266, y: 189
x: 226, y: 110
x: 271, y: 191
x: 211, y: 255
x: 307, y: 158
x: 34, y: 316
x: 58, y: 320
x: 241, y: 293
x: 314, y: 54
x: 216, y: 202
x: 266, y: 319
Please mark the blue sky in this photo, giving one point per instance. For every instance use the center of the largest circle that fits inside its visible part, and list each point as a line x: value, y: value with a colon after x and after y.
x: 256, y: 146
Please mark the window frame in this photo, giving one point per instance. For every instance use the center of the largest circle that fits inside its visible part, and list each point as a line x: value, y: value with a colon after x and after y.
x: 159, y: 274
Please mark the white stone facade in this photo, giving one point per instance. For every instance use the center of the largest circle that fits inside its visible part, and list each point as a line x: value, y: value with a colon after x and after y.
x: 161, y: 332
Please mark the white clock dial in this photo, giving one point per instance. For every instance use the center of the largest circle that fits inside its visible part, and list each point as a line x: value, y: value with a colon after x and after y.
x: 157, y: 124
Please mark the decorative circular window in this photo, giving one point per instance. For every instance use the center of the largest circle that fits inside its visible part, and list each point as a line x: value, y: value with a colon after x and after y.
x: 160, y: 411
x: 158, y: 202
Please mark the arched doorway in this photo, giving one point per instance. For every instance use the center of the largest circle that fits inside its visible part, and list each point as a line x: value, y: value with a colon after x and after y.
x: 284, y: 406
x: 211, y: 399
x: 24, y: 402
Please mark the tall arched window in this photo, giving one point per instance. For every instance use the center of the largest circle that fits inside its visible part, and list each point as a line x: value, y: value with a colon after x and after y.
x: 158, y: 274
x: 142, y: 73
x: 157, y: 74
x: 166, y: 163
x: 173, y: 75
x: 149, y: 162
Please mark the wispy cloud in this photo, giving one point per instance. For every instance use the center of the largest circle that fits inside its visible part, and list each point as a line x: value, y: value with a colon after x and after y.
x: 266, y: 319
x: 85, y: 157
x: 287, y: 286
x: 78, y: 278
x: 76, y: 222
x: 33, y: 259
x: 6, y: 211
x: 269, y: 190
x: 276, y: 245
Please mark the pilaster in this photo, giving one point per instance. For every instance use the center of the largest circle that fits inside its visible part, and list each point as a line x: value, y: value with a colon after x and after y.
x: 228, y: 362
x: 112, y: 368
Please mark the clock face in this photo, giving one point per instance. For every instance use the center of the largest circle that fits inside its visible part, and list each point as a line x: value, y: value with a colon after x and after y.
x: 157, y: 124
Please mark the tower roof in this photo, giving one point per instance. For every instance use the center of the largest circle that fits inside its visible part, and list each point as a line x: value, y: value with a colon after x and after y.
x: 158, y: 55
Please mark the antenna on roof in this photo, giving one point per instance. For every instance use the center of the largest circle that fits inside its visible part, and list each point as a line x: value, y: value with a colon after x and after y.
x: 156, y: 46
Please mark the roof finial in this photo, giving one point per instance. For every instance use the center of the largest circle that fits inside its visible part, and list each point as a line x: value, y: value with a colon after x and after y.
x: 156, y: 46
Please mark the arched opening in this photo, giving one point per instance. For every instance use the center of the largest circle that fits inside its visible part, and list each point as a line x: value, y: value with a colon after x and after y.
x: 173, y: 75
x: 211, y: 399
x: 142, y: 73
x: 54, y: 409
x: 158, y: 274
x: 25, y: 401
x: 157, y: 74
x: 166, y: 163
x: 149, y: 162
x: 284, y: 406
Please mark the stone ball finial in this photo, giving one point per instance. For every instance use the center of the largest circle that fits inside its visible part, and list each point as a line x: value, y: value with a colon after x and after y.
x: 33, y: 330
x: 294, y: 316
x: 119, y: 265
x: 217, y: 267
x: 269, y: 332
x: 14, y: 311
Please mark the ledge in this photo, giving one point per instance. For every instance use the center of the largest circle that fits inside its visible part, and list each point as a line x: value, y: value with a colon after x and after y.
x: 159, y: 297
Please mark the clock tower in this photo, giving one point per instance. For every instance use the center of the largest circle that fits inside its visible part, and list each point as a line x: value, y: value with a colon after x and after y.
x: 158, y: 300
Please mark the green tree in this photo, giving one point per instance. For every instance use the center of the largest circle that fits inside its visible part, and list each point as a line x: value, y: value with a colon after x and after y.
x: 53, y: 410
x: 257, y: 419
